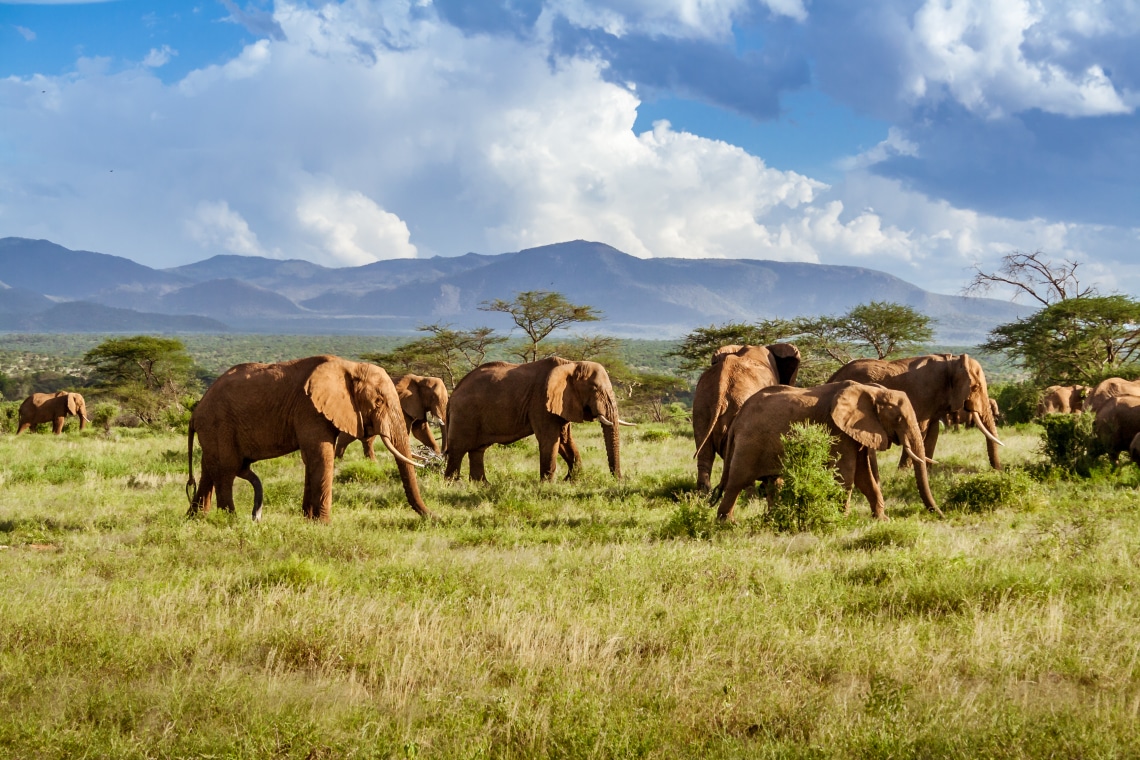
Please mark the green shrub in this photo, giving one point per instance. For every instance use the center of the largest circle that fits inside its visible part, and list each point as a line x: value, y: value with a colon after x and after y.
x: 809, y: 497
x: 1017, y: 401
x: 9, y: 416
x: 103, y: 414
x: 988, y: 491
x: 656, y: 434
x: 691, y: 519
x: 1069, y: 444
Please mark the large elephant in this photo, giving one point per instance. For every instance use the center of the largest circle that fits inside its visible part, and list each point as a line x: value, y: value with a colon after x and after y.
x: 419, y: 396
x: 54, y: 408
x: 863, y: 419
x: 261, y: 411
x: 1108, y: 389
x: 1062, y: 399
x: 500, y: 402
x: 1117, y: 424
x: 936, y: 384
x: 736, y: 373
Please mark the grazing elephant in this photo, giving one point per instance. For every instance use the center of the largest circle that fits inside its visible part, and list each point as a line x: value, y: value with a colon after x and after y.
x: 261, y: 411
x: 736, y: 373
x: 500, y: 402
x: 1062, y: 399
x: 1110, y: 388
x: 1116, y: 425
x: 864, y: 419
x: 52, y: 407
x: 936, y: 385
x: 419, y: 396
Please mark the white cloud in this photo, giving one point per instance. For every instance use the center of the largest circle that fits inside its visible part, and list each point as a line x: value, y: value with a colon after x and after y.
x: 158, y: 57
x: 976, y: 51
x: 350, y: 229
x: 896, y: 144
x: 26, y: 33
x: 215, y: 225
x: 697, y: 19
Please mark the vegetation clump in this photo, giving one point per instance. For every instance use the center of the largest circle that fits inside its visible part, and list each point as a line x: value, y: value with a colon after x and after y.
x: 1069, y: 444
x: 808, y: 497
x: 987, y: 491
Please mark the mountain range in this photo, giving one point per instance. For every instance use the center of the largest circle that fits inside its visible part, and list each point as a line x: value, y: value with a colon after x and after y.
x: 45, y: 287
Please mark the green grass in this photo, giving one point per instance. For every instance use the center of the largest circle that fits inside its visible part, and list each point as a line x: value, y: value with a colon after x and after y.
x: 570, y: 619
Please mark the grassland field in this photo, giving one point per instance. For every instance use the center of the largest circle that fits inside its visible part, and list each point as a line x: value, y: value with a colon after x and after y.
x: 589, y: 618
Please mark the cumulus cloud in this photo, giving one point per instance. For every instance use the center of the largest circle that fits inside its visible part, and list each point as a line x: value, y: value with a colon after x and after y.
x: 26, y: 33
x: 350, y: 229
x: 215, y: 225
x: 159, y: 57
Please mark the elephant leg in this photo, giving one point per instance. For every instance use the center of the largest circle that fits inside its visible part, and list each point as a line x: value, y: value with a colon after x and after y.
x: 547, y: 448
x: 225, y: 490
x: 868, y: 484
x: 23, y: 426
x: 706, y: 457
x: 247, y: 474
x: 342, y: 441
x: 568, y: 450
x: 929, y: 441
x: 475, y: 458
x: 369, y: 446
x: 454, y: 463
x: 203, y: 493
x: 845, y: 467
x: 57, y: 425
x: 421, y: 431
x: 318, y: 459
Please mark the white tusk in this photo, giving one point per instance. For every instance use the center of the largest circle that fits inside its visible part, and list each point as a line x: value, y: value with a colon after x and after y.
x: 399, y: 457
x: 604, y: 421
x: 912, y: 455
x: 930, y: 461
x: 978, y: 424
x: 627, y: 424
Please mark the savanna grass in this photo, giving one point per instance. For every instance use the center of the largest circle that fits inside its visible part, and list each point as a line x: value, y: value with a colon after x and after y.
x: 556, y: 619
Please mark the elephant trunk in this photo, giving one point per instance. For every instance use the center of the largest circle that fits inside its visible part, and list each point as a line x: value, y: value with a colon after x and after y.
x: 987, y: 417
x: 613, y: 440
x: 921, y: 476
x: 394, y: 430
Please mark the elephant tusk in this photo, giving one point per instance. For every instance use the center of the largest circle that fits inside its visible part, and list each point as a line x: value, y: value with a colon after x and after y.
x: 604, y: 421
x: 627, y: 424
x: 978, y: 424
x: 399, y: 457
x: 912, y: 455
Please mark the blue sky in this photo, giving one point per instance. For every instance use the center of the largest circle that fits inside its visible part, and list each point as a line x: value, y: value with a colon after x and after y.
x: 920, y: 137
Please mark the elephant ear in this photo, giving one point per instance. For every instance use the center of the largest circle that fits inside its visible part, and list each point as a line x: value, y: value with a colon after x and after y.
x: 73, y: 403
x: 331, y: 388
x: 562, y: 395
x: 855, y: 413
x: 787, y: 359
x: 412, y: 400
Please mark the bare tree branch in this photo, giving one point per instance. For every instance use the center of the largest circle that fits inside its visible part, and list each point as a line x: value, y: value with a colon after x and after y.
x: 1044, y: 280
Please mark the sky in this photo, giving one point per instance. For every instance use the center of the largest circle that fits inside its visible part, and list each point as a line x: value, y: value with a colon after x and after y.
x: 919, y: 137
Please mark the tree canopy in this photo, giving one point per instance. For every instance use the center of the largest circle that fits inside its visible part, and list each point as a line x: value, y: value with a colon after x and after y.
x: 538, y: 313
x: 444, y: 352
x: 1074, y: 340
x: 146, y: 373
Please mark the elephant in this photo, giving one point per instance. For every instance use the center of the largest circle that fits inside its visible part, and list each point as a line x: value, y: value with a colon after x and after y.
x: 419, y: 396
x: 1062, y: 399
x: 954, y: 420
x: 52, y: 407
x: 261, y: 411
x: 1110, y: 388
x: 936, y: 384
x: 501, y: 402
x: 736, y: 372
x: 1117, y: 424
x: 863, y: 419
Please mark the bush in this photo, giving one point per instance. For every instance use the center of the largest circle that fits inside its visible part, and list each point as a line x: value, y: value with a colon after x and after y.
x: 691, y: 519
x: 809, y: 498
x: 1069, y: 444
x: 104, y: 414
x: 1017, y: 401
x: 9, y: 416
x: 989, y: 491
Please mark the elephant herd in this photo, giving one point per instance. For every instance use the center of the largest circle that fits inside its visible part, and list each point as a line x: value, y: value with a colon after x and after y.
x: 743, y: 402
x: 1116, y: 404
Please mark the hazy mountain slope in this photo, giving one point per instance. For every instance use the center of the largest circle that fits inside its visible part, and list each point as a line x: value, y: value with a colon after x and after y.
x: 44, y: 267
x: 83, y: 316
x: 227, y: 298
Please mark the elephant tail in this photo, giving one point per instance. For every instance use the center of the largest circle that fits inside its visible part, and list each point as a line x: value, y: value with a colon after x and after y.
x: 721, y: 408
x: 191, y: 486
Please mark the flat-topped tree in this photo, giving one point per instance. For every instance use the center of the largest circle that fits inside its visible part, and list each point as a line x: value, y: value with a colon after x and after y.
x: 538, y: 313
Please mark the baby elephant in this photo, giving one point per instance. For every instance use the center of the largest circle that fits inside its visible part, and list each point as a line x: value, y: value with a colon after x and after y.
x: 864, y: 419
x: 52, y: 407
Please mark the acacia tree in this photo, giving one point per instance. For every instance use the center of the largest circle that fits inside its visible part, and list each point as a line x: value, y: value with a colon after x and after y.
x: 445, y: 352
x: 696, y: 348
x: 146, y: 373
x: 538, y: 313
x: 1032, y: 274
x: 886, y: 328
x: 1073, y: 340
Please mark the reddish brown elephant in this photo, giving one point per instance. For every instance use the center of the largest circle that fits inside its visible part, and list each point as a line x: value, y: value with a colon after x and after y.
x: 736, y: 372
x: 1062, y: 399
x: 862, y: 419
x: 39, y: 408
x: 1108, y: 389
x: 262, y: 411
x: 1117, y: 424
x: 937, y: 385
x: 500, y: 402
x: 419, y: 397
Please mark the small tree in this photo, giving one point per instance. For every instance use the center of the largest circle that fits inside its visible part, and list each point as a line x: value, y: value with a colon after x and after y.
x: 809, y: 498
x: 1075, y: 340
x: 444, y: 353
x: 146, y: 373
x: 538, y: 313
x: 887, y: 328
